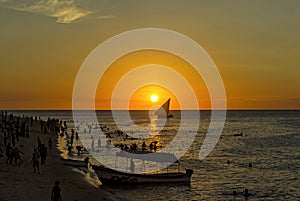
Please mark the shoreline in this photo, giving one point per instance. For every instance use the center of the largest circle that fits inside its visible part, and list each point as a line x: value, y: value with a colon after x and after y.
x: 19, y: 183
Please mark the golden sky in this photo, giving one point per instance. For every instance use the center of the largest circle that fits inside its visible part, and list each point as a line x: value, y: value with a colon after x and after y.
x: 255, y: 45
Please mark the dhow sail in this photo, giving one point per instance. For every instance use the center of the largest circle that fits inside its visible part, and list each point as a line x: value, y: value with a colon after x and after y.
x: 163, y: 111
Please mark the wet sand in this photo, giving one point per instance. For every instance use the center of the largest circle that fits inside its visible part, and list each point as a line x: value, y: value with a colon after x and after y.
x: 19, y: 183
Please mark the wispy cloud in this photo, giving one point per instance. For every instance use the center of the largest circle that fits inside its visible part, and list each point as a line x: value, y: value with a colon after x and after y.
x: 106, y: 17
x: 65, y: 11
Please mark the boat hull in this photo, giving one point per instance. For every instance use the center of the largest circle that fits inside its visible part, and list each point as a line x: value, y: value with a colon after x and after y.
x: 109, y: 176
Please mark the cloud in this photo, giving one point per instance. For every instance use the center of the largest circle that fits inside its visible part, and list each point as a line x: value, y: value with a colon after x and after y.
x: 65, y: 11
x: 106, y: 17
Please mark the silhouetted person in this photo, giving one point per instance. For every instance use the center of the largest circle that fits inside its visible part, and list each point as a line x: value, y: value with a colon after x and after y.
x: 8, y: 153
x: 43, y: 153
x: 70, y: 150
x: 247, y: 194
x: 132, y: 166
x: 77, y: 136
x: 35, y: 161
x: 78, y: 149
x: 144, y: 146
x: 99, y: 142
x: 86, y: 160
x: 93, y: 144
x: 72, y: 139
x: 55, y: 195
x: 50, y: 143
x: 39, y: 142
x: 250, y: 165
x: 16, y: 153
x: 27, y: 131
x: 13, y: 140
x: 17, y: 134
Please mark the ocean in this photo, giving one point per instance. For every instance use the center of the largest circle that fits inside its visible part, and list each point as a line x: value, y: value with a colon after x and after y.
x: 269, y: 140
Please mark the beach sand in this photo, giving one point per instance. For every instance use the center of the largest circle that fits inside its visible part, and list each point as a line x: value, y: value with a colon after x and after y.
x: 19, y: 183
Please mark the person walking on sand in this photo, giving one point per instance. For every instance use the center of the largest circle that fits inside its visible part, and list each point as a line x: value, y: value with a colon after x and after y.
x: 132, y: 166
x: 43, y: 153
x: 93, y: 144
x: 55, y: 195
x: 50, y: 143
x: 8, y: 153
x: 99, y: 143
x: 35, y: 161
x: 39, y: 142
x: 16, y: 153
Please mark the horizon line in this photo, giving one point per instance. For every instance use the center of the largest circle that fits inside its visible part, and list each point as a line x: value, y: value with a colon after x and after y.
x: 278, y: 109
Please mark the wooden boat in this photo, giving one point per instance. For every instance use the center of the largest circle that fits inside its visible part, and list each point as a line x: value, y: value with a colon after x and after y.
x: 75, y: 163
x: 164, y: 110
x: 109, y: 176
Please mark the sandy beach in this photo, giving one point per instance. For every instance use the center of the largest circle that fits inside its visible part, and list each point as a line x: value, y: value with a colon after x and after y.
x: 19, y: 183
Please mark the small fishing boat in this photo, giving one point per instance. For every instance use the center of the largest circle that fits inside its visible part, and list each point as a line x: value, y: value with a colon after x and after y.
x: 109, y: 176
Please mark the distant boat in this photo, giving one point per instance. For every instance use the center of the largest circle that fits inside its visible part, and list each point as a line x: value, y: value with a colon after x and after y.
x: 164, y: 110
x: 114, y: 177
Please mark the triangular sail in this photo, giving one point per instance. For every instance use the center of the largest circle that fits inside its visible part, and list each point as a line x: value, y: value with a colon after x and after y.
x: 163, y: 111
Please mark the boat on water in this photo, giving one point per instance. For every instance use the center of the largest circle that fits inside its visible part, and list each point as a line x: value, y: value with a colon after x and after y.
x: 109, y: 176
x: 164, y: 110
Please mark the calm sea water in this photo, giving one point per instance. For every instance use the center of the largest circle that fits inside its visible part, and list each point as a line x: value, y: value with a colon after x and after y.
x: 270, y: 141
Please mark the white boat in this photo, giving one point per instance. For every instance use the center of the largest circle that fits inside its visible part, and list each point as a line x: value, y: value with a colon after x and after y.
x: 109, y: 176
x: 164, y: 110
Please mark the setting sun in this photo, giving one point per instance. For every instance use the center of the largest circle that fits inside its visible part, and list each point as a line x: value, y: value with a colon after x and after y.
x: 154, y: 98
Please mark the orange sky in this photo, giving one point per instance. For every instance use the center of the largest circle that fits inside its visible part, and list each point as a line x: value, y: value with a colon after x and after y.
x: 141, y: 100
x: 255, y: 45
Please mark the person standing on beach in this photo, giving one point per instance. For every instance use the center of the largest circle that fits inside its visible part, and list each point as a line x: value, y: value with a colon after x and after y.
x: 99, y: 143
x: 55, y: 195
x: 8, y: 153
x: 39, y: 142
x: 17, y: 156
x: 93, y: 144
x: 132, y: 166
x: 72, y: 138
x: 27, y: 131
x: 35, y: 161
x: 43, y: 153
x: 77, y: 136
x: 50, y: 143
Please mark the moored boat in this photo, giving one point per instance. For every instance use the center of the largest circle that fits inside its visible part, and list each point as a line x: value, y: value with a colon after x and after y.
x: 109, y: 176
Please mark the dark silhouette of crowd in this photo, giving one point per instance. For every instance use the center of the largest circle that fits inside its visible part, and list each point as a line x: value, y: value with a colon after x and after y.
x: 14, y: 128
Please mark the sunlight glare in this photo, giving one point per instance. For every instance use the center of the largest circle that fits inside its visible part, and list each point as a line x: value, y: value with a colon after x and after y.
x: 154, y: 98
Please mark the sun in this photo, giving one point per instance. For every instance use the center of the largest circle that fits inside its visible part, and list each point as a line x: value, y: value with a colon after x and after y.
x: 154, y: 98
